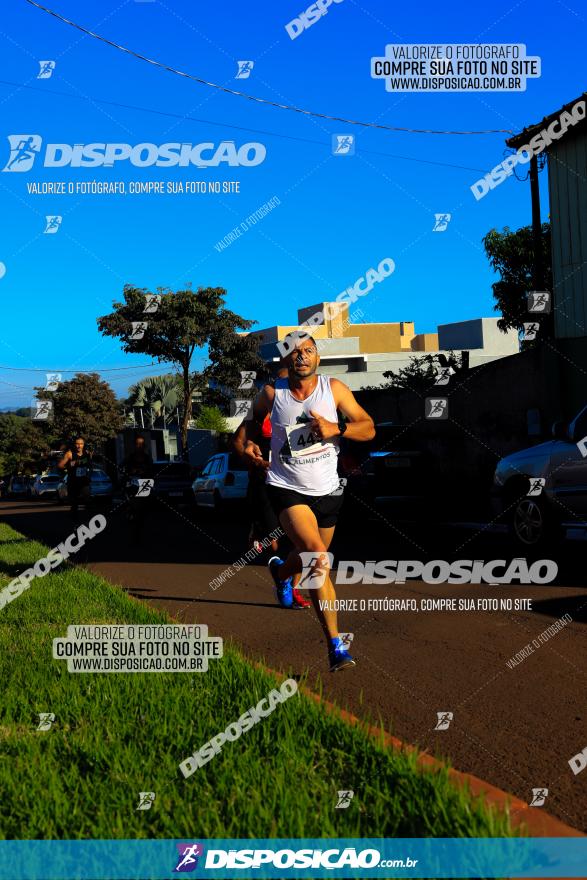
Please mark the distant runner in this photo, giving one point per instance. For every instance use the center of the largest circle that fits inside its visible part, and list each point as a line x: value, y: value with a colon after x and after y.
x: 302, y: 479
x: 137, y: 467
x: 78, y: 465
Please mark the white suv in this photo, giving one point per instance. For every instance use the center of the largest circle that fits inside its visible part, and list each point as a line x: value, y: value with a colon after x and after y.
x: 224, y: 478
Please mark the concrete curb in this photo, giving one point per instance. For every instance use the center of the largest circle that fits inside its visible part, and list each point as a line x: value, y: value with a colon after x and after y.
x: 533, y: 819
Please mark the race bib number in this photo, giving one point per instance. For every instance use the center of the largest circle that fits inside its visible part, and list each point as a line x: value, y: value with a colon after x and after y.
x: 81, y: 472
x: 302, y: 441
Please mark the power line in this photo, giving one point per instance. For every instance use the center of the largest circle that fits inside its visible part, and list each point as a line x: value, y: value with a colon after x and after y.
x: 228, y: 125
x: 70, y: 370
x: 220, y: 88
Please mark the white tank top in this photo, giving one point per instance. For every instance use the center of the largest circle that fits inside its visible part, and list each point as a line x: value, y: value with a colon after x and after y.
x: 298, y: 460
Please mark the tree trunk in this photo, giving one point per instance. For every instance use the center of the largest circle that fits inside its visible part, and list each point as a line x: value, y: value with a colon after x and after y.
x: 187, y: 411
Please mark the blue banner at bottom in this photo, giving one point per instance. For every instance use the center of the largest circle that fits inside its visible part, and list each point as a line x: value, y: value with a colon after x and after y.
x: 284, y: 858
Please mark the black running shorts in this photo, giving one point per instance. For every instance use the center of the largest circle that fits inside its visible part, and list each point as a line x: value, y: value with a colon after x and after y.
x: 326, y: 508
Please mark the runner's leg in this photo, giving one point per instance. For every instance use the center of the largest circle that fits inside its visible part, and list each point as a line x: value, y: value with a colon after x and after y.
x: 300, y: 525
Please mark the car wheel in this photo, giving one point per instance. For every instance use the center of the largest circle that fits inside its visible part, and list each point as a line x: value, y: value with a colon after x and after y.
x: 532, y: 523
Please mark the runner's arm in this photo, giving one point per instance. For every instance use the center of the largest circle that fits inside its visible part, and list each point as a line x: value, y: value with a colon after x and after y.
x: 248, y: 432
x: 360, y: 424
x: 63, y: 461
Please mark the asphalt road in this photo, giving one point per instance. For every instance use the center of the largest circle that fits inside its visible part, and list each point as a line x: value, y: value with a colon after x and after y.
x: 514, y: 727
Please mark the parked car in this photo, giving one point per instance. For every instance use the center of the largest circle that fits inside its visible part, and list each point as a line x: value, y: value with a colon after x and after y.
x: 224, y: 478
x: 101, y: 488
x: 45, y: 486
x: 173, y: 482
x: 17, y: 487
x: 561, y: 502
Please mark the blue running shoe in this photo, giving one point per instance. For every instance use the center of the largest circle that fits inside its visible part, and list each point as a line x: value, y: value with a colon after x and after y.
x: 283, y: 589
x: 339, y: 657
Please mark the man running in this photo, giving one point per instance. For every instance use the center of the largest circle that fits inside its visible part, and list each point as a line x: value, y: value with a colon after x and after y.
x: 302, y: 479
x: 78, y: 465
x: 138, y: 466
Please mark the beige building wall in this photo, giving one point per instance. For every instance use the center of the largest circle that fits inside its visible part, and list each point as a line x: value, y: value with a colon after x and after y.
x: 335, y: 317
x: 425, y: 342
x: 376, y: 337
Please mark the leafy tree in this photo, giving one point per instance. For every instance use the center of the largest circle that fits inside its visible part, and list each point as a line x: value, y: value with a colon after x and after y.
x: 421, y: 374
x: 212, y: 419
x: 23, y: 444
x: 185, y: 320
x: 511, y: 254
x: 159, y: 395
x: 85, y: 405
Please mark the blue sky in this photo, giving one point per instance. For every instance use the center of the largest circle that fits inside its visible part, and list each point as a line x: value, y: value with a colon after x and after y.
x: 337, y: 217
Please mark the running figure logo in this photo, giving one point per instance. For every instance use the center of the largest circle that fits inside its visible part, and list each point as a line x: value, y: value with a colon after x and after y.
x: 138, y: 329
x: 152, y: 301
x: 42, y: 410
x: 344, y: 799
x: 343, y: 145
x: 536, y: 486
x: 46, y: 719
x: 539, y: 795
x: 189, y: 853
x: 441, y: 222
x: 436, y: 408
x: 53, y: 223
x: 244, y: 69
x: 46, y: 69
x: 144, y: 487
x: 539, y: 301
x: 443, y: 375
x: 242, y: 408
x: 24, y: 149
x: 53, y: 380
x: 247, y: 379
x: 314, y: 569
x: 530, y: 331
x: 146, y: 799
x: 444, y: 719
x: 346, y: 639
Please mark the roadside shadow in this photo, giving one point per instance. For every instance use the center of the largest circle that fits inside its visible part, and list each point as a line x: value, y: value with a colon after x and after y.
x: 576, y: 606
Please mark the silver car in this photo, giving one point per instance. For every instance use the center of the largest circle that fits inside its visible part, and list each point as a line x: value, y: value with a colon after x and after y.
x: 542, y: 490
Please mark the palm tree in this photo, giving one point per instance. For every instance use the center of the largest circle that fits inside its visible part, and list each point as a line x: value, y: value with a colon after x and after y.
x: 159, y: 395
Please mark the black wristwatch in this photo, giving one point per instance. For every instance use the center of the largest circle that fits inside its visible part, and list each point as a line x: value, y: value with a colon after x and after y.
x: 342, y: 425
